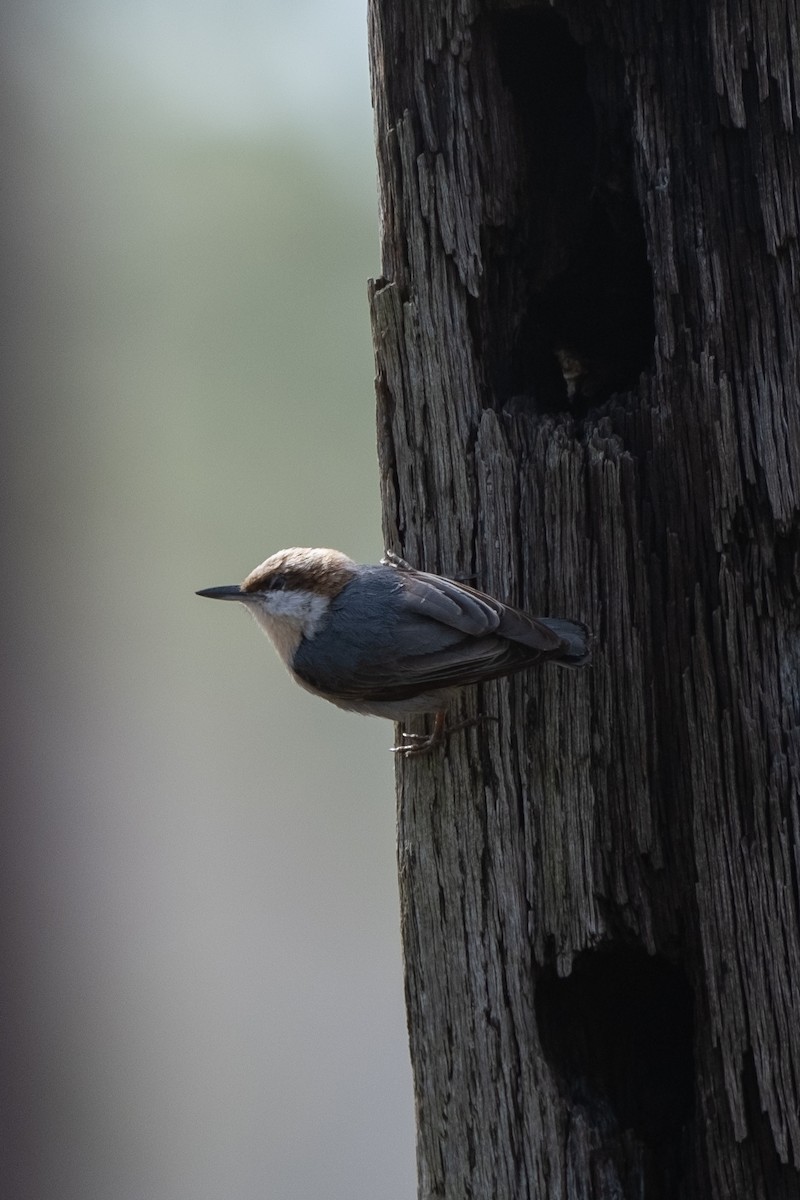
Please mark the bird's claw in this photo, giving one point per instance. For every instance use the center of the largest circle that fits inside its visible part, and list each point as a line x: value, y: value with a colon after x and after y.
x: 415, y: 743
x: 390, y: 559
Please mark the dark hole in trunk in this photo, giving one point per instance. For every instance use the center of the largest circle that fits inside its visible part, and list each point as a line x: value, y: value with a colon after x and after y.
x: 586, y: 330
x: 618, y: 1033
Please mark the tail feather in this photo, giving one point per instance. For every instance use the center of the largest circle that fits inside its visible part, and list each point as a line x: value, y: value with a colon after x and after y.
x: 577, y: 641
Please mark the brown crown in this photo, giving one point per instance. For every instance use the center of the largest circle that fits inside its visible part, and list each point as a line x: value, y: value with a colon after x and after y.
x: 302, y: 569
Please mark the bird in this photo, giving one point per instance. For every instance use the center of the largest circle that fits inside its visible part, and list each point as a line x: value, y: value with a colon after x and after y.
x: 390, y: 641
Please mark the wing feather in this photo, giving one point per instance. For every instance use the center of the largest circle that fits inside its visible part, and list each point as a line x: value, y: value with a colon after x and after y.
x: 468, y: 661
x: 470, y: 611
x: 461, y: 636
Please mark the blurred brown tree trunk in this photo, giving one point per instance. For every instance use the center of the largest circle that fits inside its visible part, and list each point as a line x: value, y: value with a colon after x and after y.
x: 587, y: 352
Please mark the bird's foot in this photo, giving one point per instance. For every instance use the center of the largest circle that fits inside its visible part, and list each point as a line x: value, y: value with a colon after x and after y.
x: 390, y: 559
x: 415, y: 744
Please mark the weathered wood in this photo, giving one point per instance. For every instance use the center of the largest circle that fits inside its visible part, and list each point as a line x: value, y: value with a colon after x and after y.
x: 600, y: 894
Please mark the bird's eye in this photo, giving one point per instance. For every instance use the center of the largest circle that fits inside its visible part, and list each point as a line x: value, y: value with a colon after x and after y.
x: 277, y: 583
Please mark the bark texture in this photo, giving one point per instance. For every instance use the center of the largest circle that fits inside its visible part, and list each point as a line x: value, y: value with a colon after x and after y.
x: 586, y: 338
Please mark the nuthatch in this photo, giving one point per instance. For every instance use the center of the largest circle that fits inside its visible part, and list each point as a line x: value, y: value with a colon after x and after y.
x: 391, y: 641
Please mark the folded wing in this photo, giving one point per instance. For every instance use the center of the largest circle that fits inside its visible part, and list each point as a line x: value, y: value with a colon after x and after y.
x: 470, y: 611
x: 432, y: 611
x: 430, y: 634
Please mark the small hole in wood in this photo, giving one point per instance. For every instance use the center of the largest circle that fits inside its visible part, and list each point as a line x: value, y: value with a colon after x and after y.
x: 584, y: 325
x: 618, y: 1034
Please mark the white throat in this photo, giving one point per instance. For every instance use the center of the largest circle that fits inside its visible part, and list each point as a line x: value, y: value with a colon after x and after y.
x: 287, y: 617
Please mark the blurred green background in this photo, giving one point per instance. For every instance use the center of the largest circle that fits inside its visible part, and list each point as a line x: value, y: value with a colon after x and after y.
x: 203, y: 969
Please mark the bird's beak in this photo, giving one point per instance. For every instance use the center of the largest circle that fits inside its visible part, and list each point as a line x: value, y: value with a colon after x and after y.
x: 229, y: 592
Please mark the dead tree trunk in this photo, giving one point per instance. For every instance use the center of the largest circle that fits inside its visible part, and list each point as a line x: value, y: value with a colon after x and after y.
x: 587, y: 353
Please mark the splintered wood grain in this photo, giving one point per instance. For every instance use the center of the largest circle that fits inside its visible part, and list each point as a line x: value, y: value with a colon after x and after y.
x: 652, y: 799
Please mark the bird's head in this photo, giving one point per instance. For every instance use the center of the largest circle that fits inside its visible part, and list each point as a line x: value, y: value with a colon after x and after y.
x: 290, y: 592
